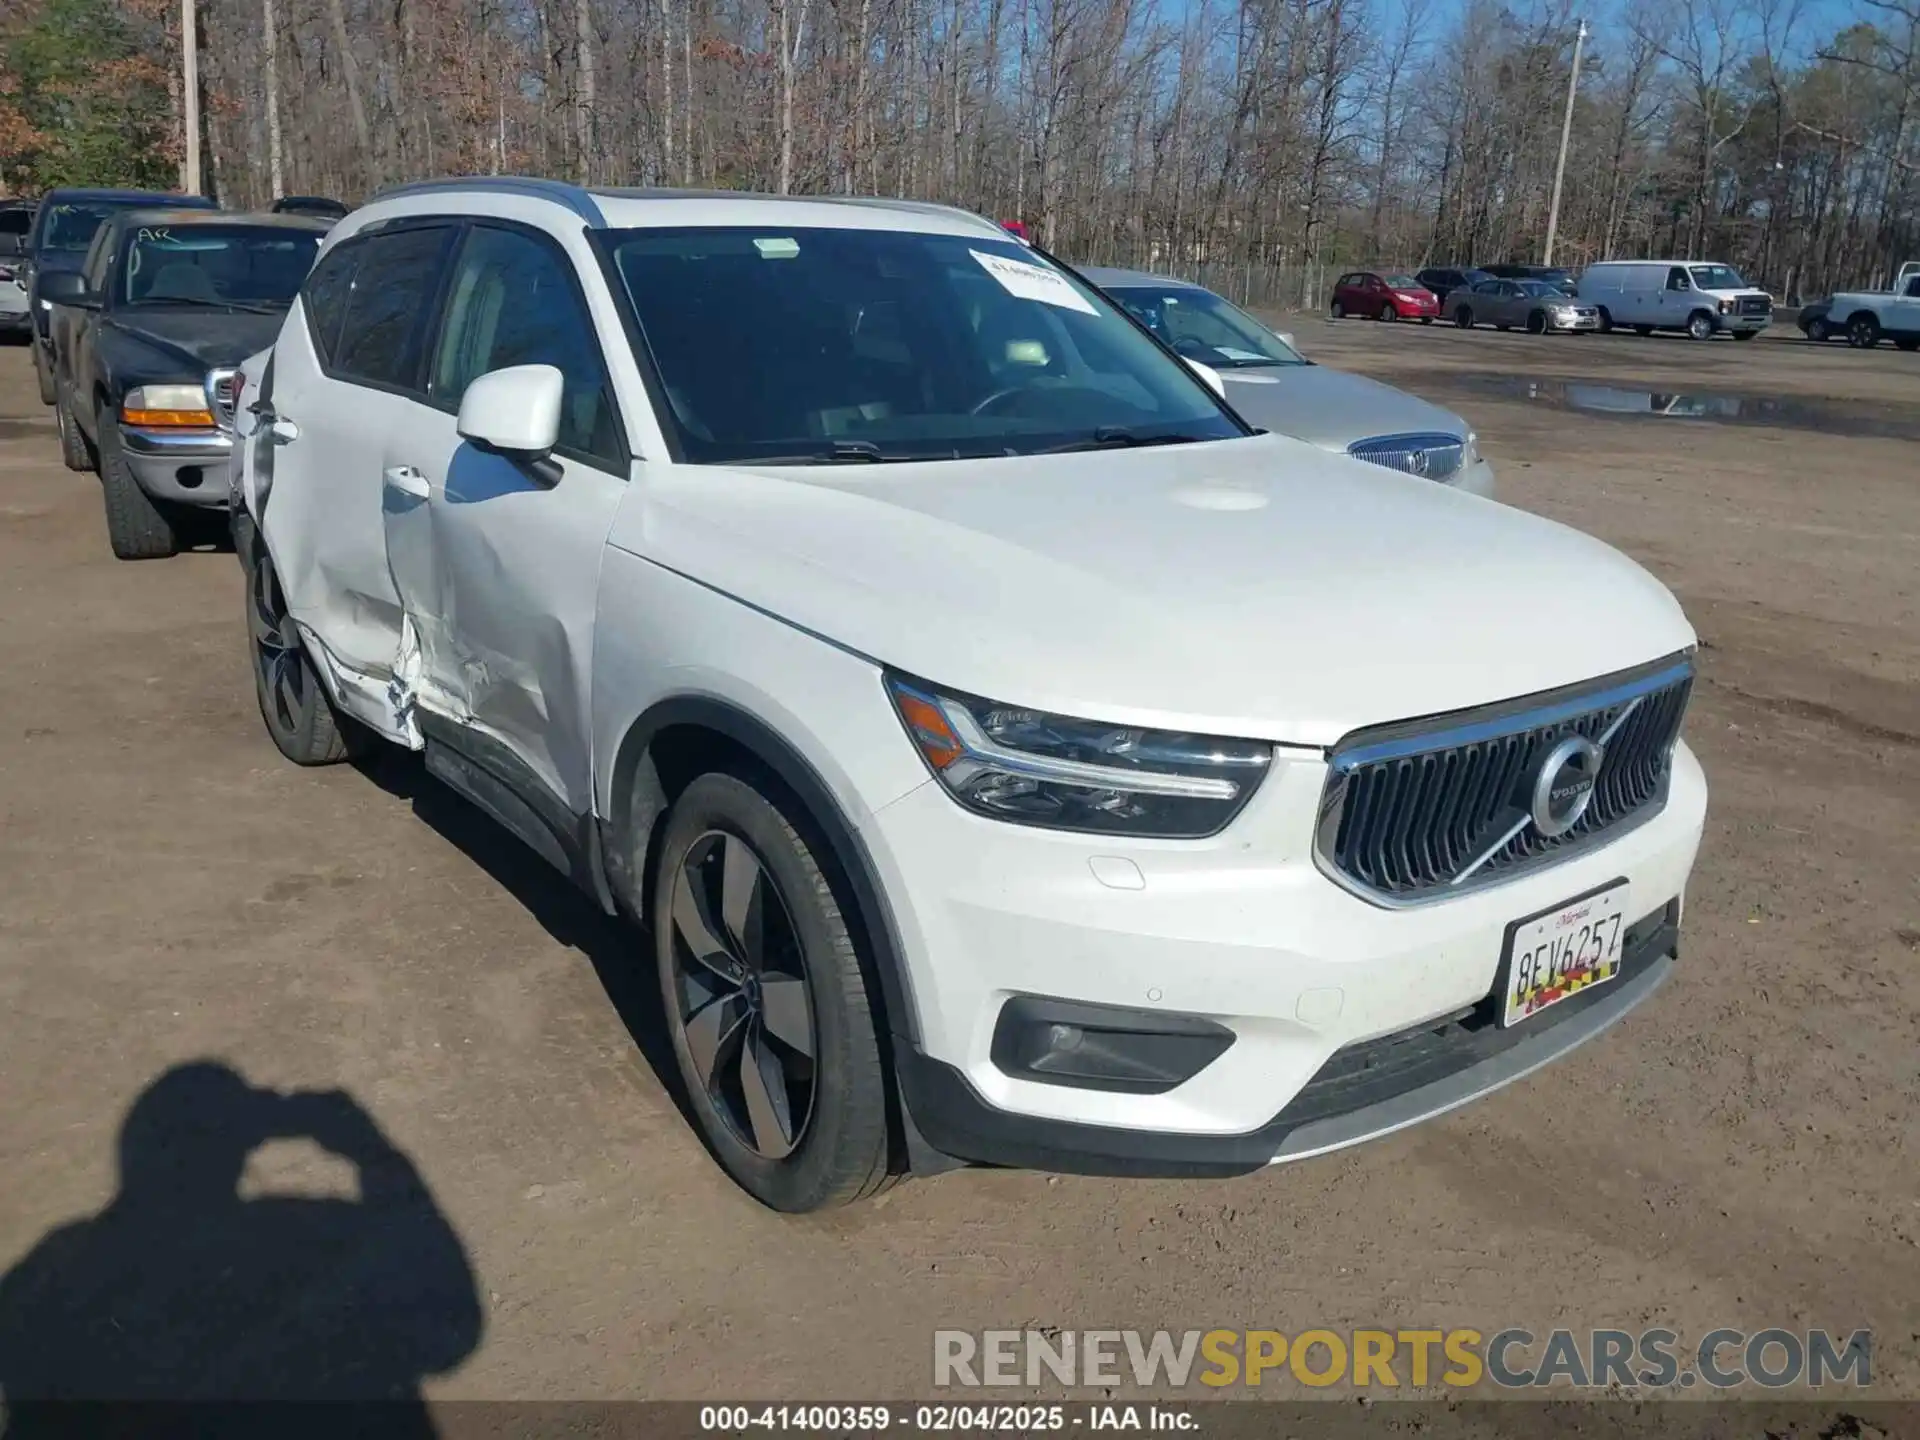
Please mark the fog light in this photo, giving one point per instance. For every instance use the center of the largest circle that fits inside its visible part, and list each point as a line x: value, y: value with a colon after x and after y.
x: 1103, y: 1047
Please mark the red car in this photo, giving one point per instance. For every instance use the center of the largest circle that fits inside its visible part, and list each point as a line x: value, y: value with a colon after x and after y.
x: 1384, y: 297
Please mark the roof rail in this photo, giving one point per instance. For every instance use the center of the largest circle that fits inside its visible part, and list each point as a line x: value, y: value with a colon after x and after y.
x: 574, y: 197
x: 876, y: 202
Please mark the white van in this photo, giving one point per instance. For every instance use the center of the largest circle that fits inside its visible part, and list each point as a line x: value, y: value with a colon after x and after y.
x: 1700, y: 297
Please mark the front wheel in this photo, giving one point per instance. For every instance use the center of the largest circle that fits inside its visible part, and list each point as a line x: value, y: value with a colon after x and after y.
x: 298, y: 713
x: 1863, y: 332
x: 1699, y: 326
x: 1387, y: 312
x: 1819, y: 332
x: 1339, y: 311
x: 137, y: 527
x: 1606, y: 321
x: 1463, y: 317
x: 1537, y: 323
x: 42, y: 370
x: 772, y: 1028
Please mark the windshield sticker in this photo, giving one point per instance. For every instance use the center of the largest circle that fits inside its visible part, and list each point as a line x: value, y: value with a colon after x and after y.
x: 1030, y: 282
x: 778, y: 248
x: 157, y: 234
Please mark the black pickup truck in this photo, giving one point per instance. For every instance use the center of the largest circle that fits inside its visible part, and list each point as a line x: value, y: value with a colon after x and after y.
x: 166, y: 305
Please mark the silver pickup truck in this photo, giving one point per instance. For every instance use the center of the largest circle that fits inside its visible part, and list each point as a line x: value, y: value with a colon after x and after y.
x: 1866, y: 317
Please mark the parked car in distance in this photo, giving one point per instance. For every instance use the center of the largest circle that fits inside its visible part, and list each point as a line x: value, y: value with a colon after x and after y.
x: 1016, y: 759
x: 1537, y: 305
x: 1445, y: 280
x: 16, y: 311
x: 317, y: 205
x: 1866, y: 317
x: 1277, y: 388
x: 1561, y: 279
x: 168, y: 302
x: 1816, y: 321
x: 1375, y: 295
x: 1701, y: 298
x: 63, y: 228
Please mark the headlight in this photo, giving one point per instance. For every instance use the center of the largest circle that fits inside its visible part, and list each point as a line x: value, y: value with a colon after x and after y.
x: 167, y: 406
x: 1064, y: 774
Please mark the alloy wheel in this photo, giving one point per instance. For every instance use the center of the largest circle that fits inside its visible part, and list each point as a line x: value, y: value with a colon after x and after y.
x: 740, y: 994
x: 276, y: 645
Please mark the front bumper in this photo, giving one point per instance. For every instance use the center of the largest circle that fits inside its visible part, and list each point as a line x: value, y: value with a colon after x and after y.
x: 1241, y: 931
x: 1573, y: 322
x: 1475, y: 479
x: 186, y: 469
x: 1747, y: 323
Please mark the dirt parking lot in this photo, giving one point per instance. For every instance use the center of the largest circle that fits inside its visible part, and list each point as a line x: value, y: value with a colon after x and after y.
x: 1741, y: 1152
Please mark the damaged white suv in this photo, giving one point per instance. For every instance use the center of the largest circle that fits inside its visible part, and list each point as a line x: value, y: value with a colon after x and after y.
x: 1011, y: 757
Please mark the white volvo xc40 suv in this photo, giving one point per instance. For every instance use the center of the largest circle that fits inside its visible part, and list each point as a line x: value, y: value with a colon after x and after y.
x: 1006, y: 755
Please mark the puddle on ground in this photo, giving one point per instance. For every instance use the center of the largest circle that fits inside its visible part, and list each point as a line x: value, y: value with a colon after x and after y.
x: 24, y: 429
x: 1895, y: 422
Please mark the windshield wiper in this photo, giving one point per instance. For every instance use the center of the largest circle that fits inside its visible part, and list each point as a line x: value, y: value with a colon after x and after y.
x: 834, y: 452
x: 246, y: 307
x: 1117, y: 437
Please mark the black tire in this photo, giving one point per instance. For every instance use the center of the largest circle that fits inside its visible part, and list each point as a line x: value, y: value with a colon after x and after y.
x: 1908, y: 343
x: 1819, y: 331
x: 1745, y: 334
x: 1463, y: 317
x: 75, y: 452
x: 42, y: 371
x: 1388, y: 312
x: 1699, y: 326
x: 1643, y: 330
x: 1426, y: 319
x: 1502, y: 328
x: 138, y: 527
x: 1537, y: 323
x: 1606, y: 321
x: 1339, y: 311
x: 1863, y: 332
x: 837, y: 1152
x: 294, y: 705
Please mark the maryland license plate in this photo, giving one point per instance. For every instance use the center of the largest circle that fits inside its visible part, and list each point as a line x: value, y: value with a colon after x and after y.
x: 1571, y: 948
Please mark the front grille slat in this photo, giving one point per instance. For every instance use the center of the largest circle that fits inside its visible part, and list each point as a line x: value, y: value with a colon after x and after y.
x: 1411, y: 818
x: 1436, y: 456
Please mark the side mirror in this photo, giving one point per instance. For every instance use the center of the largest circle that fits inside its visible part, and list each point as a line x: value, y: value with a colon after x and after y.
x: 1211, y: 376
x: 67, y: 287
x: 515, y: 412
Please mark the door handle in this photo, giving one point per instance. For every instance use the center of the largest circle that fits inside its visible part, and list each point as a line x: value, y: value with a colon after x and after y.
x: 408, y: 481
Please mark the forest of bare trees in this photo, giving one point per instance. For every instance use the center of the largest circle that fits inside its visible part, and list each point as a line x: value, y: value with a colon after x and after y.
x: 1268, y: 142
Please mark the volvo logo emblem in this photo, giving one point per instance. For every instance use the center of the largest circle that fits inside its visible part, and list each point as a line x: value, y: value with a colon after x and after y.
x: 1563, y: 786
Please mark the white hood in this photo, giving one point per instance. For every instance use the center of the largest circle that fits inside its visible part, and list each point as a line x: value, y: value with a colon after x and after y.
x: 1255, y: 587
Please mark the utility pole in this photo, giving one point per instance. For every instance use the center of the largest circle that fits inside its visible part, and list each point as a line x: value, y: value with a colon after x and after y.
x: 1566, y: 134
x: 190, y: 96
x: 275, y: 176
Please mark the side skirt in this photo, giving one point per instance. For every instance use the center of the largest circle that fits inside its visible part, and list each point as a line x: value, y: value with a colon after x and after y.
x: 500, y: 783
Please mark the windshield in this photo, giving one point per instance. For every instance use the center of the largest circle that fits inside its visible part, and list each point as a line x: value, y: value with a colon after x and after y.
x: 1403, y: 282
x: 1540, y: 287
x: 797, y: 345
x: 71, y: 227
x: 1201, y: 326
x: 245, y: 267
x: 1716, y: 277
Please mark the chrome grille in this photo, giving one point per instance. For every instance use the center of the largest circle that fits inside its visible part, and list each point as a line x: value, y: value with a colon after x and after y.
x: 1431, y: 456
x: 1418, y: 811
x: 223, y: 394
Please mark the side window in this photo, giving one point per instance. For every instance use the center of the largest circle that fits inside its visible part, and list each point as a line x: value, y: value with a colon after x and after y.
x: 100, y: 259
x: 325, y: 296
x: 387, y: 307
x: 514, y: 302
x: 1913, y: 288
x: 1677, y: 279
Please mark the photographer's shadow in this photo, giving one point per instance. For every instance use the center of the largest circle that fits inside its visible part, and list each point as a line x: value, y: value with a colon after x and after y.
x: 181, y: 1289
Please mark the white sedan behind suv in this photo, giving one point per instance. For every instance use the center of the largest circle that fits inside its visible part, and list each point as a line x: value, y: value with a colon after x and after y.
x: 1010, y: 756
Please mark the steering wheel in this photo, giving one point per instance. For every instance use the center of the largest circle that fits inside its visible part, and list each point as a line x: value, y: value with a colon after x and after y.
x: 996, y: 397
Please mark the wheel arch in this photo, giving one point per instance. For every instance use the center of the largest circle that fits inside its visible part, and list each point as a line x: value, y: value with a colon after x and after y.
x: 667, y: 745
x: 1863, y: 313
